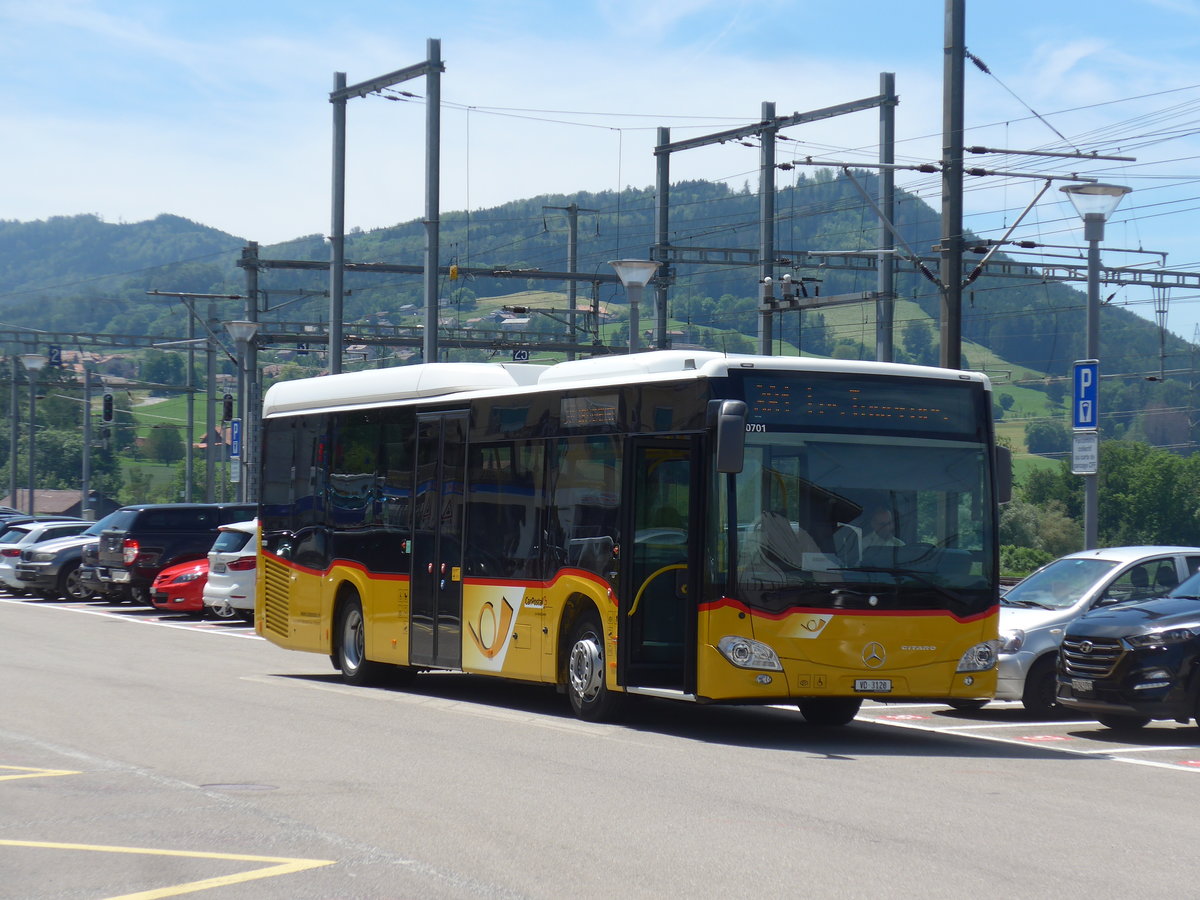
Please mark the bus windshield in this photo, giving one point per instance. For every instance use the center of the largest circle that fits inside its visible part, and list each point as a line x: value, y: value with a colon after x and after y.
x: 859, y: 521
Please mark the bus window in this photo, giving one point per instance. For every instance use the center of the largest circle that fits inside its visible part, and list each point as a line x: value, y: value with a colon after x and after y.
x: 586, y: 487
x: 504, y: 510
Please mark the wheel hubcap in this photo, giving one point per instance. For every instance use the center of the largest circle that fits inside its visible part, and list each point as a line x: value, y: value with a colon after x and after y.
x: 586, y: 668
x: 352, y: 641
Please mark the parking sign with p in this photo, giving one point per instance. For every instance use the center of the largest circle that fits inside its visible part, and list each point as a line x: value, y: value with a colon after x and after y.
x: 1085, y: 407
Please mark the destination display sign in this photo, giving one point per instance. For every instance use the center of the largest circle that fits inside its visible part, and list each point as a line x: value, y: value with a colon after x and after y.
x: 823, y: 402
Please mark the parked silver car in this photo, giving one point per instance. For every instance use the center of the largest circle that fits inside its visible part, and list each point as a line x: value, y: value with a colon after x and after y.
x: 1034, y: 613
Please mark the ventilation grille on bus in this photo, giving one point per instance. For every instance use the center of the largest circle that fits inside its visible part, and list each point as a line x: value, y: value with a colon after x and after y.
x: 276, y: 582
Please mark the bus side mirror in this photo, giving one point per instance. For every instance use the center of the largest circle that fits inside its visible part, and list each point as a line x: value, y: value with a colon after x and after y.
x: 728, y: 418
x: 1004, y: 473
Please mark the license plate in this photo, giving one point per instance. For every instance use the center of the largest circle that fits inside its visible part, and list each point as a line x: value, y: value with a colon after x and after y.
x: 1081, y: 685
x: 873, y: 685
x: 218, y: 567
x: 120, y: 576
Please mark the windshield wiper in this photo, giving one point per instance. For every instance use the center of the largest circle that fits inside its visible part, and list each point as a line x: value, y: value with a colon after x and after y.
x: 1025, y: 604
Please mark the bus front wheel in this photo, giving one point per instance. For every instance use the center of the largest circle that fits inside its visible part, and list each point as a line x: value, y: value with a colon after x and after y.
x: 590, y: 697
x: 830, y: 710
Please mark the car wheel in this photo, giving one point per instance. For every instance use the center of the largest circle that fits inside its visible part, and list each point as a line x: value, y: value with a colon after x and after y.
x: 1040, y: 697
x: 70, y: 587
x: 590, y: 697
x: 830, y: 710
x: 967, y: 705
x: 350, y: 654
x: 1123, y: 723
x: 221, y: 612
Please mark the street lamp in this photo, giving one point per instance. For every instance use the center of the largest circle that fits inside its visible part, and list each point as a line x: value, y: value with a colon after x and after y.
x: 243, y: 333
x: 634, y: 273
x: 33, y: 363
x: 1094, y: 203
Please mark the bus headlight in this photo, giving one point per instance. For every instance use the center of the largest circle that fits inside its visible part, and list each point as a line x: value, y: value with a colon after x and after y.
x: 749, y: 654
x: 980, y: 658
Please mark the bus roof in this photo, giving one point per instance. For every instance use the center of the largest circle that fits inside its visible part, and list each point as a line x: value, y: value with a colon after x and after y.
x: 378, y: 387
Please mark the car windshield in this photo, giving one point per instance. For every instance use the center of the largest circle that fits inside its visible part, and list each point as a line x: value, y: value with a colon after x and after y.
x: 14, y: 534
x: 96, y: 527
x: 230, y: 542
x: 1189, y: 589
x: 1060, y: 584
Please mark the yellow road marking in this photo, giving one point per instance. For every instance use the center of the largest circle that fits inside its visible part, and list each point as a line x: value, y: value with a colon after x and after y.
x: 32, y: 773
x: 284, y: 866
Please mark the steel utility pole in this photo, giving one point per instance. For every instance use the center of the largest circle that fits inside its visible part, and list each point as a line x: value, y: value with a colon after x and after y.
x: 885, y: 284
x: 431, y: 69
x: 951, y: 273
x: 766, y: 218
x: 572, y: 210
x: 250, y: 474
x: 662, y: 204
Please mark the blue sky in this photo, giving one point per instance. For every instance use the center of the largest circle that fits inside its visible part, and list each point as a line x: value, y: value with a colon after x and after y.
x: 219, y: 112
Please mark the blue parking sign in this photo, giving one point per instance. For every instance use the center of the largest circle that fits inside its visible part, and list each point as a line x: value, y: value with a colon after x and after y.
x: 1085, y: 407
x: 235, y: 439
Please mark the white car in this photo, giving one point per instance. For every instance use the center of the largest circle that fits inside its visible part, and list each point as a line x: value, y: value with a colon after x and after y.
x: 1035, y: 613
x: 18, y: 537
x: 232, y: 567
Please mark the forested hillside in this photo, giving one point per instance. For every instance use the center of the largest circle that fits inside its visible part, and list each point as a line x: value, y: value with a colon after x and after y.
x: 81, y: 274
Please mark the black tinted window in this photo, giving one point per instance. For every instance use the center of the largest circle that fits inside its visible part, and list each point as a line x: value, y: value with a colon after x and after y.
x: 231, y: 541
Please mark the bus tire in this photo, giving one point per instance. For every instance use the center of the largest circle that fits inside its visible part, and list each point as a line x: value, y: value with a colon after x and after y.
x: 589, y: 694
x: 830, y: 710
x: 350, y: 652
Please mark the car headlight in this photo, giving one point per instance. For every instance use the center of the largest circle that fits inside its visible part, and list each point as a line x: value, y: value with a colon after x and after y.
x: 749, y: 654
x: 41, y: 557
x: 191, y: 576
x: 1163, y: 638
x: 980, y: 658
x: 1011, y: 641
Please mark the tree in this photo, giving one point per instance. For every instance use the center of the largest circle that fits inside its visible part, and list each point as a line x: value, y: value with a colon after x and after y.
x: 164, y: 445
x: 918, y: 342
x: 1047, y: 437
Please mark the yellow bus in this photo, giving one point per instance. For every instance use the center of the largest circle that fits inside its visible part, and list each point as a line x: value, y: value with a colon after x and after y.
x: 687, y: 525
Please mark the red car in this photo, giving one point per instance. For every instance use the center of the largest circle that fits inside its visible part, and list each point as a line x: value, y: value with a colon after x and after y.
x: 180, y: 588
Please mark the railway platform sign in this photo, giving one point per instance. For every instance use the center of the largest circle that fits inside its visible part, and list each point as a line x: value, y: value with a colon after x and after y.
x: 235, y: 439
x: 1085, y: 403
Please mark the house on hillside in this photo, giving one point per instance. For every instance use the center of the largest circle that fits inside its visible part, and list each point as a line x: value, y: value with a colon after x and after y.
x: 62, y: 503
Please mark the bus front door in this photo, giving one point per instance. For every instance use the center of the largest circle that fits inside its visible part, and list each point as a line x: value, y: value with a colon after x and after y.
x: 660, y: 566
x: 435, y: 604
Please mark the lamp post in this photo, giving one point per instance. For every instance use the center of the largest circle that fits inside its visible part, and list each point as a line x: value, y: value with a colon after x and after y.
x: 1094, y: 203
x: 33, y: 363
x: 243, y: 333
x: 634, y: 274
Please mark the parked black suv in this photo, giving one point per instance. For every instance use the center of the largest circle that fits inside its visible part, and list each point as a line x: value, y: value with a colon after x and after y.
x: 144, y: 539
x: 1134, y: 662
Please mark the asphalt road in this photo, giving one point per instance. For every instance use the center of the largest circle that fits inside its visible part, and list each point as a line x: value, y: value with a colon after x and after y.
x: 142, y: 755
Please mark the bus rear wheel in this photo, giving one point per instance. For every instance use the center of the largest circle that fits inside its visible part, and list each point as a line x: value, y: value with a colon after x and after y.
x: 350, y: 653
x: 590, y: 697
x: 830, y: 710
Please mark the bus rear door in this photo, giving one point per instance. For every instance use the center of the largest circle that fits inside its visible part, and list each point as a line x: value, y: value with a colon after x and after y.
x: 436, y: 586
